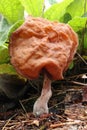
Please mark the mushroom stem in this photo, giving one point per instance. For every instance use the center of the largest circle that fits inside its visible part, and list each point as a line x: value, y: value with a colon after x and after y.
x: 41, y: 104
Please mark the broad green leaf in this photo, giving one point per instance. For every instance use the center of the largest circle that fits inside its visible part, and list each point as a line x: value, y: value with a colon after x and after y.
x: 52, y: 1
x: 4, y: 55
x: 85, y: 15
x: 3, y: 25
x: 12, y: 10
x: 15, y: 26
x: 56, y: 11
x: 66, y: 17
x: 85, y: 41
x: 6, y: 29
x: 7, y: 69
x: 77, y: 8
x: 78, y: 23
x: 33, y: 7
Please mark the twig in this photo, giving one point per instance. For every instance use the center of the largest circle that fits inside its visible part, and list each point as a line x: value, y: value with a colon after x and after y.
x: 66, y: 123
x: 78, y: 75
x: 28, y: 99
x: 57, y: 105
x: 23, y: 108
x: 78, y: 83
x: 81, y: 58
x: 8, y: 121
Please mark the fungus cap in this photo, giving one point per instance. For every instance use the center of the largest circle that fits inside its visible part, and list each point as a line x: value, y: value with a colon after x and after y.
x: 40, y: 44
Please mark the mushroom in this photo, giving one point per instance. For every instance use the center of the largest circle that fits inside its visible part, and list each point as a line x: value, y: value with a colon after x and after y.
x: 41, y: 46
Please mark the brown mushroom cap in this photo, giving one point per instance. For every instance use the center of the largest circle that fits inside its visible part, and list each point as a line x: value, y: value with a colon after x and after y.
x: 40, y: 44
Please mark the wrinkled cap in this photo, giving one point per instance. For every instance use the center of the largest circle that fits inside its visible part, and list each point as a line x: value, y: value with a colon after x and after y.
x: 39, y: 45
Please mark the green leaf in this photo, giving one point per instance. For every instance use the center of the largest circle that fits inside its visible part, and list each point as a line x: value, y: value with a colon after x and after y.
x: 33, y: 7
x: 4, y: 25
x: 15, y: 26
x: 78, y: 23
x: 77, y: 8
x: 85, y: 41
x: 52, y: 1
x: 7, y: 69
x: 66, y: 17
x: 56, y: 11
x: 5, y: 32
x: 71, y: 65
x: 4, y: 55
x: 85, y: 15
x: 12, y: 10
x: 6, y: 29
x: 84, y: 57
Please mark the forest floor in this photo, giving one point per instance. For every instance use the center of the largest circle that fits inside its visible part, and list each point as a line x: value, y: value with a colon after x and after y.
x: 67, y: 107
